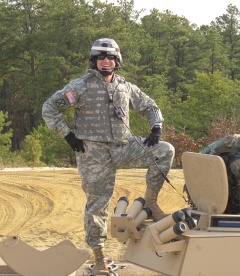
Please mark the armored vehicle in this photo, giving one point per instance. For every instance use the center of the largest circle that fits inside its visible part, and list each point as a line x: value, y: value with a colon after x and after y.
x: 192, y: 241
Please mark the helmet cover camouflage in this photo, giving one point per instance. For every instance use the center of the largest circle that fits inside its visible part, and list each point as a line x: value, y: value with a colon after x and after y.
x: 107, y: 45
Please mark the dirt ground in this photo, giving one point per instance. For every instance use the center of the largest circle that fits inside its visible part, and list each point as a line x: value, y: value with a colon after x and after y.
x: 45, y: 206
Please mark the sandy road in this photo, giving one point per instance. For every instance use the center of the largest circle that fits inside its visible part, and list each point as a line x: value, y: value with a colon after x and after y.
x: 44, y: 207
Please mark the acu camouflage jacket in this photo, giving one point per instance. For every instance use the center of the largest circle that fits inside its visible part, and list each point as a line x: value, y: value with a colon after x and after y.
x: 95, y: 103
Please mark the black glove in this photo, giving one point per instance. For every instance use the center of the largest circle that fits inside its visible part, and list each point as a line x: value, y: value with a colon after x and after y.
x: 75, y: 144
x: 154, y: 137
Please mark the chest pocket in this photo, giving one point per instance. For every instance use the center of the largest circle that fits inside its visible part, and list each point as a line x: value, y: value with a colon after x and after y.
x: 121, y: 97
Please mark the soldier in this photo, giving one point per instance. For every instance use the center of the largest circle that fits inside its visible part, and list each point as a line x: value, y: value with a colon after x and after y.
x: 102, y: 138
x: 228, y: 148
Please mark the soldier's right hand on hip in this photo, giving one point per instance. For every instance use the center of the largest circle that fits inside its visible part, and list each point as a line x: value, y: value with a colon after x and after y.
x: 75, y: 144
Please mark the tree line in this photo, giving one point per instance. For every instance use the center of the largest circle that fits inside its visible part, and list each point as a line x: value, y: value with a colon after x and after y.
x: 191, y: 71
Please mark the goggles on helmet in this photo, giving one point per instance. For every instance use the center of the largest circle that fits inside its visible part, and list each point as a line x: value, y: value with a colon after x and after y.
x: 102, y: 48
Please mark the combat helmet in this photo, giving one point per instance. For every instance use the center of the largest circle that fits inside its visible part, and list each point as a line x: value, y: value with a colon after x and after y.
x: 105, y: 46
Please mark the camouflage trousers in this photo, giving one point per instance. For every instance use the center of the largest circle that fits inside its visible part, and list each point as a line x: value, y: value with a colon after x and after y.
x: 97, y: 168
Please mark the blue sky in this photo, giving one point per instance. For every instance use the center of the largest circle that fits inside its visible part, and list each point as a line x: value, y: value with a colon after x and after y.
x: 196, y: 11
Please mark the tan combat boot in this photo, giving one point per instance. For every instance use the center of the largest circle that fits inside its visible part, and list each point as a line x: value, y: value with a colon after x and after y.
x: 100, y: 267
x: 151, y: 202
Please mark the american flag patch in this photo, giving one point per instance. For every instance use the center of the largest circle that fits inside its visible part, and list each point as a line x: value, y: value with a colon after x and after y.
x: 70, y: 97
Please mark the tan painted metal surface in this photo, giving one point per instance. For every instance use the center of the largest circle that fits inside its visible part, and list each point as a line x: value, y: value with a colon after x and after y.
x: 59, y: 260
x: 208, y: 248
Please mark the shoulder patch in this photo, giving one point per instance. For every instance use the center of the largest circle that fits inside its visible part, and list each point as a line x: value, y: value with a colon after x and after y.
x: 70, y: 97
x: 60, y: 103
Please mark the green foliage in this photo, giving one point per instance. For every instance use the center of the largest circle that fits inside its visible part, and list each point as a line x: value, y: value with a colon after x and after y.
x: 13, y: 160
x: 49, y: 148
x: 5, y: 137
x: 228, y: 27
x: 192, y: 73
x: 32, y: 151
x: 209, y: 97
x: 138, y: 124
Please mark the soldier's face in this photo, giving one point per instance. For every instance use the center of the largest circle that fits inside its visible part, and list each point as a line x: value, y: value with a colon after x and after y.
x: 106, y: 63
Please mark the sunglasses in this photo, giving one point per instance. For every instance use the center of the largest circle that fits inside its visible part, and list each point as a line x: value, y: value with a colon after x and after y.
x: 102, y: 57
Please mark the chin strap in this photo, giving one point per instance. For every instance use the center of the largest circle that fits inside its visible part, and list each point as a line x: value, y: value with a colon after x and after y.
x: 106, y: 73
